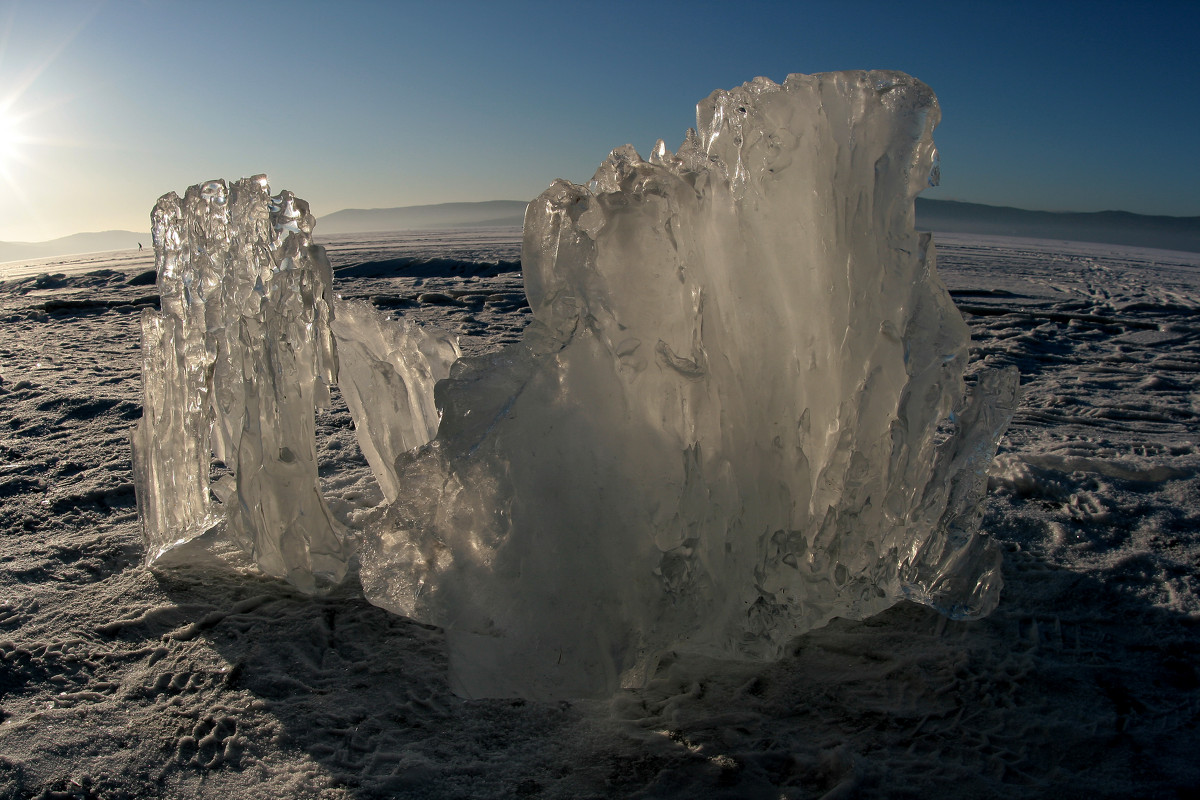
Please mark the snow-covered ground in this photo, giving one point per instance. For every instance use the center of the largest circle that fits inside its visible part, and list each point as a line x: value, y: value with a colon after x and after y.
x: 118, y: 682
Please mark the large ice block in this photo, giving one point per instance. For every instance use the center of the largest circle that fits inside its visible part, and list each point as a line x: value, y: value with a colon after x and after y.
x: 739, y: 410
x: 232, y: 367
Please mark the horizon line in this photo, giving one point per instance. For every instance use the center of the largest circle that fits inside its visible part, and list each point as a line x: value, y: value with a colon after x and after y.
x: 526, y: 202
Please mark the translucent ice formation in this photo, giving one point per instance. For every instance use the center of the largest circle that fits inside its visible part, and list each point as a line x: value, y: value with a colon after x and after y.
x: 244, y: 348
x: 739, y: 410
x: 232, y: 367
x: 388, y: 372
x: 723, y: 427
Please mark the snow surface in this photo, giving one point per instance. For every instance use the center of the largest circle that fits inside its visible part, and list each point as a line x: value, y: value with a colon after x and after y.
x: 117, y: 682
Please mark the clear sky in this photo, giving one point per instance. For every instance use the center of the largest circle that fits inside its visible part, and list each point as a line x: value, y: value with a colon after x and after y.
x: 106, y: 104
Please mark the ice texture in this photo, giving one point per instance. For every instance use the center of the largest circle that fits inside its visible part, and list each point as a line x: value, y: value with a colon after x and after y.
x: 738, y: 413
x: 388, y: 370
x: 233, y: 366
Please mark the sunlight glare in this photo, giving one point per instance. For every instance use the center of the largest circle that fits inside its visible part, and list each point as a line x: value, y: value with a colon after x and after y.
x: 10, y: 138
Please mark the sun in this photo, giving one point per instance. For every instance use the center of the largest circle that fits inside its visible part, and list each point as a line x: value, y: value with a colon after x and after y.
x: 19, y: 152
x: 10, y: 138
x: 34, y: 118
x: 15, y: 140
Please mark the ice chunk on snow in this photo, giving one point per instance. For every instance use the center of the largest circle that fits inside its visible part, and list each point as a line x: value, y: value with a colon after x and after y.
x: 242, y: 351
x: 739, y: 410
x: 232, y: 366
x: 722, y: 428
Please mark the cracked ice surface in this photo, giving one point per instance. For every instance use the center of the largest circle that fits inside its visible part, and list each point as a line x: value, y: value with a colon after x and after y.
x: 722, y: 428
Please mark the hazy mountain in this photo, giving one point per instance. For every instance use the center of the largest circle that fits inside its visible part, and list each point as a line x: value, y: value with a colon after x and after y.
x: 1110, y: 227
x: 946, y: 216
x: 75, y: 243
x: 442, y: 215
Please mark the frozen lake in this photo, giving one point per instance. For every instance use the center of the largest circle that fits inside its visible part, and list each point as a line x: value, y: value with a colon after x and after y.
x: 115, y: 680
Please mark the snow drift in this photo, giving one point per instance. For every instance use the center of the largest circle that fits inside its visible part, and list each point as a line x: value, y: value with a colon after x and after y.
x: 739, y: 410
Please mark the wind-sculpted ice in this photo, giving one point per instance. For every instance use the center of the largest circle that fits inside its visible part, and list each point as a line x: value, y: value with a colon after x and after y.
x: 244, y: 348
x: 232, y: 367
x: 724, y: 426
x: 738, y: 413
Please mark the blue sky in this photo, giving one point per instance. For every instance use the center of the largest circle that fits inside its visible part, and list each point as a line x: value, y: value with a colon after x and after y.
x: 107, y: 105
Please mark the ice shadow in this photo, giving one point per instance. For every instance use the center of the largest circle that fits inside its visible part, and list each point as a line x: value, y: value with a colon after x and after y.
x: 1073, y: 685
x: 418, y: 267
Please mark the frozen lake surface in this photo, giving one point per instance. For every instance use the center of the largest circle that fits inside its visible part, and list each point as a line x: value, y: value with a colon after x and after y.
x: 115, y: 681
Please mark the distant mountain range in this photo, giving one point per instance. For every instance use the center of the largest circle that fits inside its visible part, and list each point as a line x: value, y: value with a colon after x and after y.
x: 945, y: 216
x: 75, y: 243
x: 1107, y: 227
x: 407, y: 218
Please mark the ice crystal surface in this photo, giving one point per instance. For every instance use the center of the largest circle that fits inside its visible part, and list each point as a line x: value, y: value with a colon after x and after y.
x: 233, y: 366
x: 388, y: 372
x: 245, y: 347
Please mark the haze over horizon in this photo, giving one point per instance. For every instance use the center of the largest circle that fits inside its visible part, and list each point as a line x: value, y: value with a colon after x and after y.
x: 104, y: 106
